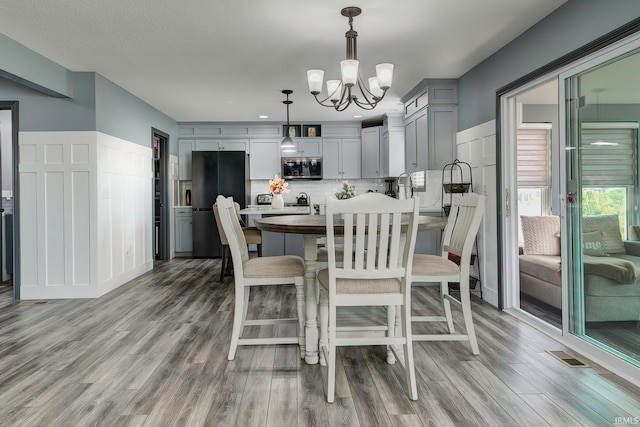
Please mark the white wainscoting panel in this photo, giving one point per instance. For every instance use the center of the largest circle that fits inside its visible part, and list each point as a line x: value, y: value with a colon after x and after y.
x: 86, y: 218
x: 57, y: 243
x: 476, y: 146
x: 125, y: 220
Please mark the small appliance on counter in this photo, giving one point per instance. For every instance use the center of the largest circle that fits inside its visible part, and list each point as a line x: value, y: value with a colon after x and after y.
x: 264, y: 199
x: 302, y: 199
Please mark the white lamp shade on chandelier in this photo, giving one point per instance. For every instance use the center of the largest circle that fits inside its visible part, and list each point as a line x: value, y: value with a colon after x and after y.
x: 341, y: 93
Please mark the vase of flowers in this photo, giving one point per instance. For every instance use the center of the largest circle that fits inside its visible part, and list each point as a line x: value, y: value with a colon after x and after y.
x: 277, y: 186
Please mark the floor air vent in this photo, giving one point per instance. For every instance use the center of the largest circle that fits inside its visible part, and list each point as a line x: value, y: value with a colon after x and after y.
x: 569, y: 359
x: 33, y: 302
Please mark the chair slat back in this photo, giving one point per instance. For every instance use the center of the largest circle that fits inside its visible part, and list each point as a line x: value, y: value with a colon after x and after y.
x: 233, y: 230
x: 462, y: 226
x: 373, y: 232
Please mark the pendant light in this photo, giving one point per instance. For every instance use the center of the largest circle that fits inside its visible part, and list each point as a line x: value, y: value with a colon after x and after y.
x: 342, y: 93
x: 287, y: 145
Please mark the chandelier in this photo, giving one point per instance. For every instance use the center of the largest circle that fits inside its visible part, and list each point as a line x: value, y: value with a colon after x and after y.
x: 287, y: 145
x: 340, y: 93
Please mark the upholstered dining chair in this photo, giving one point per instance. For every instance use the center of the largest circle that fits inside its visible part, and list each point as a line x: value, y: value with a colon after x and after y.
x: 252, y: 235
x: 259, y: 271
x: 378, y: 274
x: 458, y: 238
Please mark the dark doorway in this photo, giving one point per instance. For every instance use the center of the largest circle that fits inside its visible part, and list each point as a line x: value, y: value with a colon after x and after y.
x: 160, y: 145
x: 9, y: 225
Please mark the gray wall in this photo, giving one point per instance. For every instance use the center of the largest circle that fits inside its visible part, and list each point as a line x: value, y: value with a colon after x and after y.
x: 121, y: 114
x: 571, y: 26
x: 25, y: 66
x: 40, y: 112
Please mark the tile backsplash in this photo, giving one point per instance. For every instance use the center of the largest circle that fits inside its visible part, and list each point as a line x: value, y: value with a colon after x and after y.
x: 318, y: 190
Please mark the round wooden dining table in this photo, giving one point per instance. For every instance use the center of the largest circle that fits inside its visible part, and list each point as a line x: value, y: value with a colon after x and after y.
x: 311, y: 227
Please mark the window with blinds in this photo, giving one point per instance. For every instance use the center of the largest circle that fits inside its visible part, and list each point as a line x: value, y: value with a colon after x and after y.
x: 533, y: 157
x: 608, y: 157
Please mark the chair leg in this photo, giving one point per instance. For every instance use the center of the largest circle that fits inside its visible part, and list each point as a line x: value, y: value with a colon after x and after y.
x: 299, y: 283
x: 331, y: 363
x: 391, y: 332
x: 224, y: 260
x: 238, y: 320
x: 444, y: 290
x: 408, y: 352
x: 259, y: 245
x: 324, y: 325
x: 245, y: 308
x: 465, y: 299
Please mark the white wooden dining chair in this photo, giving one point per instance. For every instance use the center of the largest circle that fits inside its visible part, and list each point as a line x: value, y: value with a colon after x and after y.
x: 260, y: 271
x: 378, y: 275
x: 458, y: 238
x: 252, y: 235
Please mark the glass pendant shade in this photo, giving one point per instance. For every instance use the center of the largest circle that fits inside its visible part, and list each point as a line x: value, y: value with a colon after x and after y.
x: 333, y: 89
x: 315, y: 79
x: 374, y: 87
x: 349, y: 69
x: 384, y: 73
x: 287, y: 145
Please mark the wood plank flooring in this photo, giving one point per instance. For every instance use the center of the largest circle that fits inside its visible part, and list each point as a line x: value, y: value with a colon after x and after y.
x: 153, y: 353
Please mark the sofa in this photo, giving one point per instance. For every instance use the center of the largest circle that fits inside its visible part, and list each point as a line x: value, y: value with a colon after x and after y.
x: 611, y: 267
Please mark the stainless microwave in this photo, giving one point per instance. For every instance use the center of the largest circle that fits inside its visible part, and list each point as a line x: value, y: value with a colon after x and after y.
x: 302, y: 167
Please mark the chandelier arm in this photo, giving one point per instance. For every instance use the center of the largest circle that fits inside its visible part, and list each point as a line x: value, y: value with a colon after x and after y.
x: 364, y: 91
x: 365, y: 106
x: 323, y: 102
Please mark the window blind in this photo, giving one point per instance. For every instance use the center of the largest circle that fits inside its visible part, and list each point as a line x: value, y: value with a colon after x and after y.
x: 608, y: 157
x: 533, y: 157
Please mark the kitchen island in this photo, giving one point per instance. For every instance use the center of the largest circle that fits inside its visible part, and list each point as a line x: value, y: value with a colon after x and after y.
x: 278, y: 243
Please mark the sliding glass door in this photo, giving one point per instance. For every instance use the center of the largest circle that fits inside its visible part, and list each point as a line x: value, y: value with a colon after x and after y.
x: 603, y: 220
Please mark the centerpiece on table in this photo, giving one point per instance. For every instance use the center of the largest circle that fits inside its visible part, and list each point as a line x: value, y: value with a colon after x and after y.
x: 347, y: 192
x: 277, y: 186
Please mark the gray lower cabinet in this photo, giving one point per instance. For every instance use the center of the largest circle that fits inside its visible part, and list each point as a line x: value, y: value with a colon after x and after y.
x: 274, y: 244
x: 184, y: 242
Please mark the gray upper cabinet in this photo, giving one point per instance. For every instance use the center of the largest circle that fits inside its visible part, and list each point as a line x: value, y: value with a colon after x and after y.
x: 341, y: 158
x: 431, y: 123
x: 264, y: 160
x: 371, y: 153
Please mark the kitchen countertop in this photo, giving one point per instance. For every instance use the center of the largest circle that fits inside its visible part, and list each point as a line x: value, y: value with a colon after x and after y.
x: 268, y: 210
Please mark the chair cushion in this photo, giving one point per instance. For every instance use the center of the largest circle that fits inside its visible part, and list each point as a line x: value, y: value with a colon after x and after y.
x: 433, y: 265
x: 355, y: 286
x: 252, y: 235
x: 274, y: 266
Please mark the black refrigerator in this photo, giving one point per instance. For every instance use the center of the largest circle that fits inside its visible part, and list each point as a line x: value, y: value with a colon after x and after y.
x: 214, y: 173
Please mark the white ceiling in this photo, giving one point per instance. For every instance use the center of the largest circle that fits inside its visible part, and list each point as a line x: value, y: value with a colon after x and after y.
x: 228, y: 60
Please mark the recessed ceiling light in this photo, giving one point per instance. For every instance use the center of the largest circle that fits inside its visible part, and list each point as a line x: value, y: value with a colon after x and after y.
x: 263, y: 116
x: 357, y: 116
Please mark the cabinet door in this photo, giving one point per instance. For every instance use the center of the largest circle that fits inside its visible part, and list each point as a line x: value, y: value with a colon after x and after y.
x: 443, y: 123
x: 185, y: 147
x: 184, y: 242
x: 331, y: 165
x: 264, y: 160
x: 206, y: 145
x: 310, y: 148
x: 371, y: 153
x: 351, y: 154
x: 422, y: 141
x: 232, y: 145
x: 410, y: 147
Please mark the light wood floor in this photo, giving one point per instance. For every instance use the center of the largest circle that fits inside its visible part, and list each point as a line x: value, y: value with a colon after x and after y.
x: 153, y: 352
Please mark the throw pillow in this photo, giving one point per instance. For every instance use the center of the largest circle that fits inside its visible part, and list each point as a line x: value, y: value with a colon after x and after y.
x: 540, y: 235
x: 592, y: 244
x: 609, y: 225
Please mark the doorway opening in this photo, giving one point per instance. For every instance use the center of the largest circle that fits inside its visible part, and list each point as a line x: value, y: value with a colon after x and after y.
x: 160, y: 145
x: 9, y: 230
x: 533, y: 180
